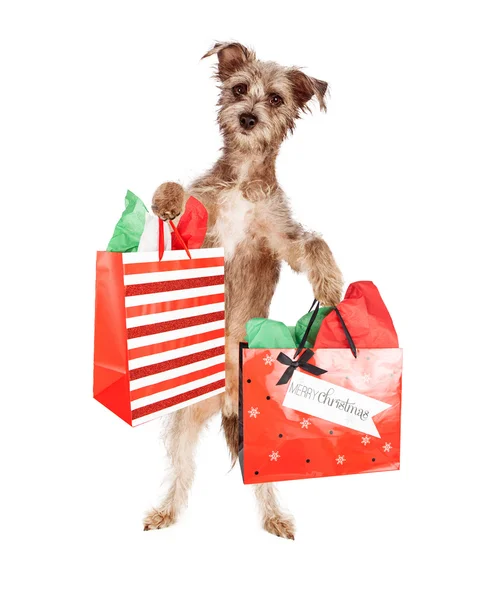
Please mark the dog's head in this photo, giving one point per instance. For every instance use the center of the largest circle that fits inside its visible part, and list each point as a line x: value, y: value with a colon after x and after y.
x: 260, y: 101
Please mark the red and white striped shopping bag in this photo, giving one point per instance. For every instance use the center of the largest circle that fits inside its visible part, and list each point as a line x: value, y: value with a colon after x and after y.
x: 159, y: 331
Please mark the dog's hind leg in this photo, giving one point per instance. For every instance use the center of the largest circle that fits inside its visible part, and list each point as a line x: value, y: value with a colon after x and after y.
x: 181, y: 437
x: 274, y: 520
x: 229, y: 407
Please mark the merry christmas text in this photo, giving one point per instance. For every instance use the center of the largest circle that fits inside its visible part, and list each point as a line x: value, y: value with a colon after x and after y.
x: 327, y: 398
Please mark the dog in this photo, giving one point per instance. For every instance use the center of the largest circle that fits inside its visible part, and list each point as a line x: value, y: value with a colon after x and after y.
x: 248, y: 215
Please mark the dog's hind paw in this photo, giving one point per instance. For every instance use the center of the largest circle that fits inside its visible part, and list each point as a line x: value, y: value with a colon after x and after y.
x: 280, y: 525
x: 158, y: 519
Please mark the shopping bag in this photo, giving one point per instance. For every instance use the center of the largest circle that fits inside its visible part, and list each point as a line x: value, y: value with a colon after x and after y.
x: 159, y: 330
x: 324, y: 411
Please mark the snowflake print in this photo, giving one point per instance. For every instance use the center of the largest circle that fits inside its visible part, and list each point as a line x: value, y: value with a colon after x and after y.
x: 366, y: 440
x: 366, y: 377
x: 268, y: 360
x: 340, y: 460
x: 387, y: 446
x: 253, y: 412
x: 274, y: 455
x: 305, y: 423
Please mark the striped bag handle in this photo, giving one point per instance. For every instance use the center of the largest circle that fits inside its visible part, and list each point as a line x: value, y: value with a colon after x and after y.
x: 161, y: 238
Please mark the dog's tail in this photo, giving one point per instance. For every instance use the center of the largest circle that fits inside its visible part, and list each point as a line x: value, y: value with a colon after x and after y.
x: 230, y: 425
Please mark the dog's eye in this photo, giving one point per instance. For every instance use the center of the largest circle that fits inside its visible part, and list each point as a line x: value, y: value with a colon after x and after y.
x: 239, y: 90
x: 275, y: 100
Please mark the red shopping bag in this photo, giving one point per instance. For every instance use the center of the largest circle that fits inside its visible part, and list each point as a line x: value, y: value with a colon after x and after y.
x: 159, y: 330
x: 334, y: 409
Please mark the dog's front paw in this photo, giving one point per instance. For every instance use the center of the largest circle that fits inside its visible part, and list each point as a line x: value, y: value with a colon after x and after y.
x: 330, y: 290
x: 323, y: 272
x: 327, y: 283
x: 158, y: 519
x: 280, y: 525
x: 168, y: 201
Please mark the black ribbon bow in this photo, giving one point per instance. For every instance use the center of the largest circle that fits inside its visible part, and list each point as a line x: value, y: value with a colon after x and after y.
x: 292, y: 365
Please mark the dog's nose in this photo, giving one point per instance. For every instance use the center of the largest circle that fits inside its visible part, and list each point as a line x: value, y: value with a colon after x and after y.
x: 247, y: 121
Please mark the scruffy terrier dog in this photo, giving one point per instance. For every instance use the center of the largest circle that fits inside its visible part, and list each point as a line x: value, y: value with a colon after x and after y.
x: 249, y: 216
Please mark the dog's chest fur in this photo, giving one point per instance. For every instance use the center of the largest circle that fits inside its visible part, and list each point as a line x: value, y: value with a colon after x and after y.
x: 235, y: 214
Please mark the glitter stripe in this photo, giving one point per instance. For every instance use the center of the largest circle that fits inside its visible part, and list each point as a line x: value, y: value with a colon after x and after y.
x: 175, y: 363
x: 164, y: 276
x: 175, y: 295
x: 164, y: 376
x: 153, y: 328
x: 166, y: 411
x: 150, y: 309
x: 172, y: 383
x: 173, y: 315
x: 173, y: 265
x: 152, y: 359
x: 158, y: 338
x: 172, y: 286
x: 151, y: 408
x: 175, y: 344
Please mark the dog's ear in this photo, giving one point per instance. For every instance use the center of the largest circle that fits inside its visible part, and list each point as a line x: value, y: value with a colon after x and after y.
x: 231, y: 57
x: 304, y: 88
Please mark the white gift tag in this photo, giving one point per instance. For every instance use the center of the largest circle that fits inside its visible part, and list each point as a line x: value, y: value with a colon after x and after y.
x: 333, y: 402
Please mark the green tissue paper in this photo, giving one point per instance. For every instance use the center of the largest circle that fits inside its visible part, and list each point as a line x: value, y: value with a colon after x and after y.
x: 266, y: 333
x: 129, y: 228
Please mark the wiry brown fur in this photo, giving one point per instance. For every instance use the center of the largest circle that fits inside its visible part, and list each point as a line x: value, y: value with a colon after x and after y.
x: 230, y: 427
x: 250, y: 216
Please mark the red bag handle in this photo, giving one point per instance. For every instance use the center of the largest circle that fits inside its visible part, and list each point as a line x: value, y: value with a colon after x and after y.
x: 161, y: 238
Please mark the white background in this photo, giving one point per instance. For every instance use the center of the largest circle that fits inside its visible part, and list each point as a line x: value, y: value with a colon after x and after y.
x: 98, y: 97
